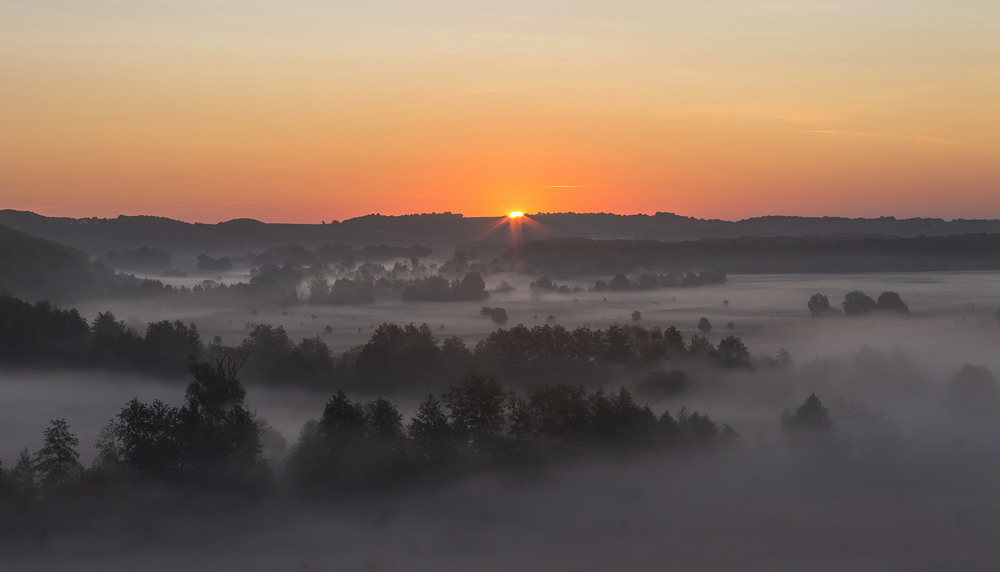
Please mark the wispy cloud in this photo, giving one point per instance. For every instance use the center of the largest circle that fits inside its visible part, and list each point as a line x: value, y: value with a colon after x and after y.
x: 913, y: 138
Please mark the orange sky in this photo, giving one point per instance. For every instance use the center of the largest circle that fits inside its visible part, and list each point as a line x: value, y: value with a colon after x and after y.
x: 302, y: 111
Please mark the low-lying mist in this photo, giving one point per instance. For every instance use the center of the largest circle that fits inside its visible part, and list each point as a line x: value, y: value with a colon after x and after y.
x: 909, y: 478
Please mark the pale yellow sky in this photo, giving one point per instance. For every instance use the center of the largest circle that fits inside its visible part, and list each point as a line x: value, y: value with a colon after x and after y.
x: 310, y: 110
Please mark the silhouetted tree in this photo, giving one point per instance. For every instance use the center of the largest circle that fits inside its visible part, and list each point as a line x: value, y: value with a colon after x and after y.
x: 169, y: 346
x: 810, y: 417
x: 319, y: 290
x: 891, y: 302
x: 559, y: 413
x: 695, y: 427
x: 57, y: 462
x: 819, y: 304
x: 215, y: 387
x: 342, y: 419
x: 385, y: 448
x: 497, y: 315
x: 857, y: 302
x: 431, y: 436
x: 704, y: 326
x: 267, y: 349
x: 395, y: 355
x: 23, y: 479
x: 619, y: 282
x: 144, y: 438
x: 732, y: 352
x: 635, y: 423
x: 477, y: 411
x: 699, y: 347
x: 472, y: 287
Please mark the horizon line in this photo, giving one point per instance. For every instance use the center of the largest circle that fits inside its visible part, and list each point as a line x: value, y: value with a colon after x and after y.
x: 502, y: 216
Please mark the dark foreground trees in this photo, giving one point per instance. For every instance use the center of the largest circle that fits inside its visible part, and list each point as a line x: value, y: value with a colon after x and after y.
x: 213, y: 442
x: 480, y: 425
x: 213, y: 439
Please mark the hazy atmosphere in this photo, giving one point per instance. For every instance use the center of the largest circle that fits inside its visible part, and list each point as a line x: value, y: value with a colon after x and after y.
x: 307, y: 111
x: 485, y: 285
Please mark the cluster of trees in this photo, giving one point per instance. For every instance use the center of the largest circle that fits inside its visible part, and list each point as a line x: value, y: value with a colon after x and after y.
x: 622, y: 282
x: 410, y: 357
x: 214, y: 441
x: 471, y: 288
x: 343, y: 291
x: 546, y: 285
x: 498, y: 315
x: 41, y: 334
x: 476, y: 425
x: 395, y: 356
x: 857, y: 302
x: 280, y: 285
x: 400, y: 357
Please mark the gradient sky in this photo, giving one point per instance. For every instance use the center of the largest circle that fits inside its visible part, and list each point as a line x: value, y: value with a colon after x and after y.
x: 309, y: 110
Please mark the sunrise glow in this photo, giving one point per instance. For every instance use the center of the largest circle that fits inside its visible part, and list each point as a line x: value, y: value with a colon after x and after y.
x: 310, y: 111
x: 515, y: 214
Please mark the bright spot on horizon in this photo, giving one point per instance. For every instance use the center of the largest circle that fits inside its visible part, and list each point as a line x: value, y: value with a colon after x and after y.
x: 515, y: 214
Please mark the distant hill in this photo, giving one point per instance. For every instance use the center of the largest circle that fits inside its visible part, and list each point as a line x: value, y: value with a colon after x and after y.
x: 37, y: 269
x: 758, y: 255
x: 445, y: 230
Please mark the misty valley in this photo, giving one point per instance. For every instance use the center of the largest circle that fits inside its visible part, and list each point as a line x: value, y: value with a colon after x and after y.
x: 499, y: 285
x: 575, y: 404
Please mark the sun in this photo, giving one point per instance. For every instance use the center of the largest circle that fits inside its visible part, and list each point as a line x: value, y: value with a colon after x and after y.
x: 515, y: 214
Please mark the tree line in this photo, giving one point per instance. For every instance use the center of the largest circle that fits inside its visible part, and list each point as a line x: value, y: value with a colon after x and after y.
x: 213, y: 441
x: 857, y: 302
x: 407, y: 357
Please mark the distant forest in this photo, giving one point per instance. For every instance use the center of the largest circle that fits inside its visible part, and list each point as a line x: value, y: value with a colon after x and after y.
x: 36, y: 269
x: 581, y: 257
x: 395, y: 358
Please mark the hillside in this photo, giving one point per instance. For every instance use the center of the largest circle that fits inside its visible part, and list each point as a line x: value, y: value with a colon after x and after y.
x: 759, y: 255
x: 443, y: 231
x: 36, y: 269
